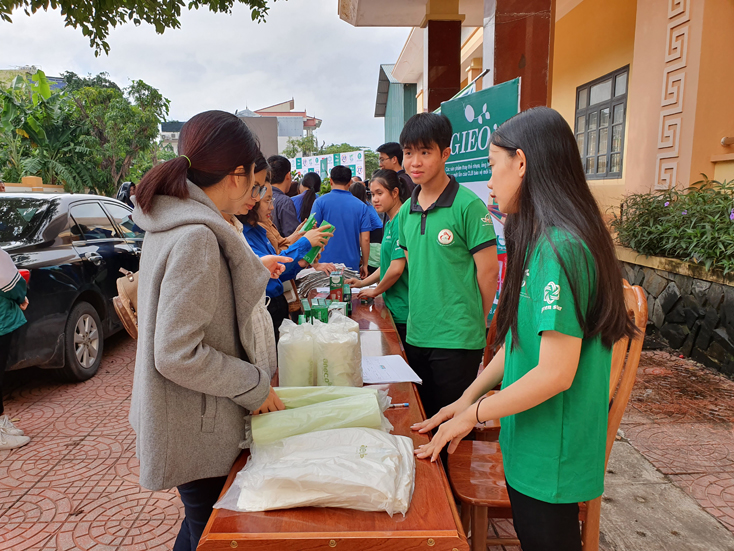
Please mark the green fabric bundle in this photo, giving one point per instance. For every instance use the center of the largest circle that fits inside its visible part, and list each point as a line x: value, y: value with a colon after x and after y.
x: 296, y: 397
x: 351, y: 412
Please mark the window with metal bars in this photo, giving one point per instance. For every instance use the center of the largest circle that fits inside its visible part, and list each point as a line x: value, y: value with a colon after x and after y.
x: 601, y: 106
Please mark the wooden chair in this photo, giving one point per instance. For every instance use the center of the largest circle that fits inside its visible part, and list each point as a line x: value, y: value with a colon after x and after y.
x: 489, y: 431
x: 475, y: 468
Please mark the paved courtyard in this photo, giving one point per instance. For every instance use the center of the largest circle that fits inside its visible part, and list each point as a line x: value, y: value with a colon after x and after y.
x: 75, y: 486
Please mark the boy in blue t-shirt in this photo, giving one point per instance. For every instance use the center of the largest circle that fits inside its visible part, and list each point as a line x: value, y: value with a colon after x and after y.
x: 351, y: 220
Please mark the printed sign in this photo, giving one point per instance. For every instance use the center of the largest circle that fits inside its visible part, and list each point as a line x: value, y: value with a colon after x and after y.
x: 473, y: 118
x: 322, y: 164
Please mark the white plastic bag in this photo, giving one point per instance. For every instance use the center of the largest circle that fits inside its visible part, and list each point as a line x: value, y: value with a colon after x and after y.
x: 354, y: 468
x: 337, y: 352
x: 353, y: 411
x: 295, y: 355
x: 296, y: 397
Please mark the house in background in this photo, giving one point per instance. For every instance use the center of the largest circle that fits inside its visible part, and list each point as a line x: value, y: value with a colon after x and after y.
x: 644, y: 84
x: 396, y: 102
x: 169, y: 133
x: 265, y: 128
x: 291, y: 124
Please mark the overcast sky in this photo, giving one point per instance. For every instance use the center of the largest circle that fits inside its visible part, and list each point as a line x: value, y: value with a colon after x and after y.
x: 219, y: 61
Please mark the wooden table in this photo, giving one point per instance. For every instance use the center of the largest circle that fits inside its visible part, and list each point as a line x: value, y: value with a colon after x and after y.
x: 432, y: 522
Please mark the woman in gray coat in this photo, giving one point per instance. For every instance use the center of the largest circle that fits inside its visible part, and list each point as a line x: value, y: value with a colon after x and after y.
x: 195, y: 383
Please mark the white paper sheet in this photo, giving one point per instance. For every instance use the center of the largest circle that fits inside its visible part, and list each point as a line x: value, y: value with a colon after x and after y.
x: 387, y: 369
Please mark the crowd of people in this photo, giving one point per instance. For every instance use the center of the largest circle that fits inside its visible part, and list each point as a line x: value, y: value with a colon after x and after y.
x: 224, y: 237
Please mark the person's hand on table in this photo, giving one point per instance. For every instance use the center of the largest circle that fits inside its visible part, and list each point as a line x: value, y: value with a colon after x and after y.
x: 271, y: 403
x: 370, y: 292
x: 326, y: 267
x: 451, y: 432
x: 25, y: 304
x: 444, y: 414
x: 354, y: 282
x: 275, y: 264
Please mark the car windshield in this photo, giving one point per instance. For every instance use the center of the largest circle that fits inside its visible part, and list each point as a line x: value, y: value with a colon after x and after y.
x: 19, y: 218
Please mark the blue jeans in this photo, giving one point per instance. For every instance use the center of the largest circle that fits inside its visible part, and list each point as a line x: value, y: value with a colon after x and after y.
x: 198, y: 498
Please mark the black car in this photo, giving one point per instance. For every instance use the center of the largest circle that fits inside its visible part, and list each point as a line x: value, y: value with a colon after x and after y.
x: 70, y: 248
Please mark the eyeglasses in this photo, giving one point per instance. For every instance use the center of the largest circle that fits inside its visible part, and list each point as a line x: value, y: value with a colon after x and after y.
x: 258, y: 192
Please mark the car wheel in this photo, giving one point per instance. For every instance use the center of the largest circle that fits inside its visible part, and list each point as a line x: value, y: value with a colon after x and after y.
x: 84, y: 343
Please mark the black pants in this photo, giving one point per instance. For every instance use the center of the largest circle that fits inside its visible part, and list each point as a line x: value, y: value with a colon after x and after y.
x: 278, y: 308
x: 542, y: 526
x: 446, y: 374
x: 198, y: 498
x: 401, y: 327
x: 4, y: 353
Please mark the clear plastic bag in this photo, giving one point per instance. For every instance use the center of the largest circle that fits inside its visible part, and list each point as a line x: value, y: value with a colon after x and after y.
x: 296, y: 365
x: 337, y: 352
x: 353, y: 468
x: 296, y: 397
x: 354, y: 411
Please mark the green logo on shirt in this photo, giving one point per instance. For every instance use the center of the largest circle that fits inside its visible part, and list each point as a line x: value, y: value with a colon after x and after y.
x: 552, y: 293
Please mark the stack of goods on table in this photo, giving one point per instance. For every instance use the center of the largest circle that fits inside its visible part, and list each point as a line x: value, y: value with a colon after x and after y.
x: 330, y: 447
x: 320, y: 354
x: 310, y: 280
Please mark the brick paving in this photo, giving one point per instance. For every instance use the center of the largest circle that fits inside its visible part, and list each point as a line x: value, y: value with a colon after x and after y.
x: 681, y: 418
x: 75, y: 486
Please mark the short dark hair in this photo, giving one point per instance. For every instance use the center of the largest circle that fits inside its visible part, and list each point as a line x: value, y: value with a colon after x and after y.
x: 392, y: 149
x: 280, y: 167
x: 341, y: 175
x: 427, y: 130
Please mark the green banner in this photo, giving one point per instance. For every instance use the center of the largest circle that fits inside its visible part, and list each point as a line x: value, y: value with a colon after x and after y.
x: 474, y: 117
x: 324, y: 168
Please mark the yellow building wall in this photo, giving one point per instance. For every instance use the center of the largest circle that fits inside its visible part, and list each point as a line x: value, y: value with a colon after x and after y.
x: 594, y: 38
x: 715, y: 102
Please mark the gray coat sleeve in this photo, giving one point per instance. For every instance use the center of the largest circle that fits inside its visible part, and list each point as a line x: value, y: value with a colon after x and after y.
x: 187, y: 305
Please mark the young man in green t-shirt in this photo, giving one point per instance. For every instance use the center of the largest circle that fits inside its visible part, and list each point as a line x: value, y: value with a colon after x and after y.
x: 450, y: 245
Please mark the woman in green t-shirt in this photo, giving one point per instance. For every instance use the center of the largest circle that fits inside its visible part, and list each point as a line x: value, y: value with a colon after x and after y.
x: 388, y: 195
x: 561, y: 310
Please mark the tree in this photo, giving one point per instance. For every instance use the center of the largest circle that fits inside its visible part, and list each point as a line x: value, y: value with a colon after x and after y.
x: 301, y: 147
x: 123, y: 123
x: 158, y: 153
x: 74, y: 82
x: 38, y: 136
x: 95, y: 18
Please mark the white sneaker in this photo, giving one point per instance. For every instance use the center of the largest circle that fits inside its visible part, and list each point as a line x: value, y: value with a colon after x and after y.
x: 7, y: 426
x: 11, y: 441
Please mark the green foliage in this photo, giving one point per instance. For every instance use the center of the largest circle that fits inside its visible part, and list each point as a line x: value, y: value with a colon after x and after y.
x: 96, y: 18
x: 146, y: 160
x: 50, y: 145
x: 325, y: 185
x: 123, y: 123
x: 74, y: 82
x: 83, y: 137
x: 301, y: 147
x: 696, y: 224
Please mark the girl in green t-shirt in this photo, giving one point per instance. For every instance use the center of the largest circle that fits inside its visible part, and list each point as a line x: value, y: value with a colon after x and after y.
x: 561, y: 310
x: 388, y: 195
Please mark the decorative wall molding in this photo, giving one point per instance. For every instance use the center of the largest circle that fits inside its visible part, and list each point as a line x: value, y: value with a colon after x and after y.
x: 671, y: 103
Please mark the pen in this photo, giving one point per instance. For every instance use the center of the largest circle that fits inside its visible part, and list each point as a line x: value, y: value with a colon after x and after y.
x: 404, y: 405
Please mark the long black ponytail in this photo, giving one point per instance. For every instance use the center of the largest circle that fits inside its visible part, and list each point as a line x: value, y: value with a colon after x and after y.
x: 312, y: 182
x: 554, y: 194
